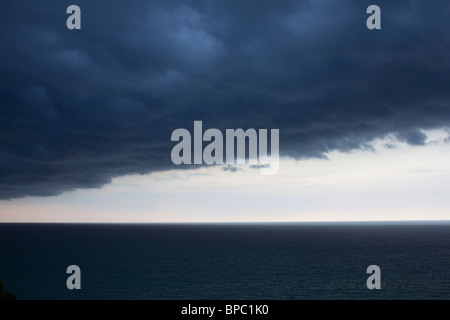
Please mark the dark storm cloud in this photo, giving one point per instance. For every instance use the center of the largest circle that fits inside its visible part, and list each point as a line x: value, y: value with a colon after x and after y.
x: 413, y: 137
x: 80, y: 107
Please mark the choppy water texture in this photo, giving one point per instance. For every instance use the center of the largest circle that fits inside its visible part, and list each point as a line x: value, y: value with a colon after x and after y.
x: 232, y: 261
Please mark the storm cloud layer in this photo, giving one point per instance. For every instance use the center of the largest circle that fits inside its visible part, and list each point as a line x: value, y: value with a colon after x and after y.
x: 79, y: 107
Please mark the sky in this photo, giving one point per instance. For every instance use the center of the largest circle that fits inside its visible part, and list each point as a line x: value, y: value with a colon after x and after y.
x: 87, y: 115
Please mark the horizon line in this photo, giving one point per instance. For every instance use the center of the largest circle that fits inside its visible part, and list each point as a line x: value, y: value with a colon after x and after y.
x: 229, y: 222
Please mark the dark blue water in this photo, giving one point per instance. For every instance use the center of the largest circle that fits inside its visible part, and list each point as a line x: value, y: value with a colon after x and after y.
x: 246, y: 261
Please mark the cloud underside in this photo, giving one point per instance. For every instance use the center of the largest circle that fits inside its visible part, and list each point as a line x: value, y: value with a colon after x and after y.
x: 79, y: 107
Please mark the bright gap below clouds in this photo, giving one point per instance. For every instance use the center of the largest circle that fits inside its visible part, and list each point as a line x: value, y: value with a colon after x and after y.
x: 395, y: 181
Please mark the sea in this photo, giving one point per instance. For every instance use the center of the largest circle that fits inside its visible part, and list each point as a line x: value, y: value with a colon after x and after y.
x: 244, y: 261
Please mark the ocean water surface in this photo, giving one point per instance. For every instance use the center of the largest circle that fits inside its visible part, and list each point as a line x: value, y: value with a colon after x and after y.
x: 292, y: 261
